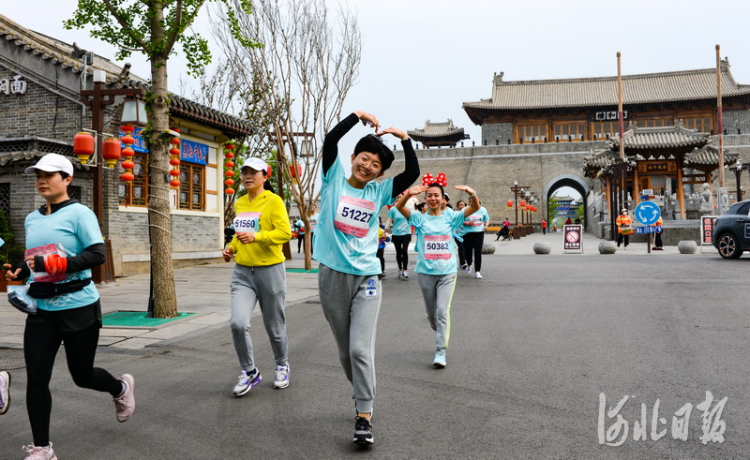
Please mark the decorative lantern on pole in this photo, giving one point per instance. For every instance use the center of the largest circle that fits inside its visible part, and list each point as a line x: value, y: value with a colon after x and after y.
x: 510, y: 204
x: 111, y: 151
x: 174, y: 160
x: 229, y: 165
x: 83, y: 146
x: 127, y: 152
x: 295, y: 173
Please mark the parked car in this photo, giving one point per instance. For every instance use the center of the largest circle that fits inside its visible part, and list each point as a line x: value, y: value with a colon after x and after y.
x: 731, y: 234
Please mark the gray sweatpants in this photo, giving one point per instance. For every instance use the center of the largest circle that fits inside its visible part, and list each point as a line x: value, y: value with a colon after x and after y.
x: 351, y: 304
x: 437, y: 291
x: 267, y: 286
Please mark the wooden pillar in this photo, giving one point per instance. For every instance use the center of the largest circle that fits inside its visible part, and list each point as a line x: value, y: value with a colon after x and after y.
x: 680, y: 191
x: 636, y: 186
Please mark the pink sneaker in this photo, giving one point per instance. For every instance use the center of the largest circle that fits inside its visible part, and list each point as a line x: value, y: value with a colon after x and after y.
x: 39, y: 453
x: 125, y: 404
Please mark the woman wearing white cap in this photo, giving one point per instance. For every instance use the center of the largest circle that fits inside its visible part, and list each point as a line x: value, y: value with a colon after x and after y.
x: 63, y: 243
x: 262, y: 226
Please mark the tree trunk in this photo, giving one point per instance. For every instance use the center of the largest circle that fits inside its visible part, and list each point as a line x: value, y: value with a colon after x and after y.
x: 160, y: 230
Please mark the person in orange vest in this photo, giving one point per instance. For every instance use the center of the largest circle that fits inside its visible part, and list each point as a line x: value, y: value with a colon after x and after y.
x: 658, y: 245
x: 624, y: 228
x: 544, y: 227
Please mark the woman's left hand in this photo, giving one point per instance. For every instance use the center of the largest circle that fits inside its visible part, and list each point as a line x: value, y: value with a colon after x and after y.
x: 465, y: 188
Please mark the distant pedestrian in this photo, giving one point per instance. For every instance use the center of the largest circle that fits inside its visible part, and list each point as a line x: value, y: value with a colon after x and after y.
x: 459, y: 239
x: 314, y: 216
x: 349, y: 289
x: 4, y: 392
x: 436, y: 260
x: 401, y: 237
x: 658, y: 244
x: 473, y: 235
x: 382, y: 240
x: 63, y: 244
x: 544, y: 227
x: 262, y: 226
x: 568, y: 221
x: 624, y: 228
x: 299, y: 226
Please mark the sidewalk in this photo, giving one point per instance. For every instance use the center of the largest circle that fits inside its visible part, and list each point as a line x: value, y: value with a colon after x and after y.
x: 204, y: 291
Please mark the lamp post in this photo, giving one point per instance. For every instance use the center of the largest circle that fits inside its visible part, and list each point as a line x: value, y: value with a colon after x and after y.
x: 98, y: 99
x: 516, y: 189
x: 737, y: 167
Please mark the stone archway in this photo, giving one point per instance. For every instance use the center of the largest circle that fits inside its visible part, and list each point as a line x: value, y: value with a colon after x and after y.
x: 567, y: 180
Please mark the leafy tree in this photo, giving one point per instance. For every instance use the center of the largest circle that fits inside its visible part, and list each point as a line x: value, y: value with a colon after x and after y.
x: 153, y: 28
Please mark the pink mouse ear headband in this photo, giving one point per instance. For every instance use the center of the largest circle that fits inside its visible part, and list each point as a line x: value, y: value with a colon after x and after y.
x: 428, y: 179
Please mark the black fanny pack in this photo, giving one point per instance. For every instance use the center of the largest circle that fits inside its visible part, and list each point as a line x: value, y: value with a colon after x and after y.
x: 46, y: 290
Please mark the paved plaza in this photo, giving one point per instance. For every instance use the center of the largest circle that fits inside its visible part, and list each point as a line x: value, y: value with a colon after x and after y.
x: 542, y: 351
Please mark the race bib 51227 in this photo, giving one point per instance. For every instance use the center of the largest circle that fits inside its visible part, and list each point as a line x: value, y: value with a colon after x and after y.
x: 353, y: 216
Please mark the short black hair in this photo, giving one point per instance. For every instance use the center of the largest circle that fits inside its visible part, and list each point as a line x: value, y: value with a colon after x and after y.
x: 373, y: 144
x: 442, y: 190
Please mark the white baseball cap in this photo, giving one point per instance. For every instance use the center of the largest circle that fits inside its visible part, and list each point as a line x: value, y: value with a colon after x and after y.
x: 52, y: 162
x: 256, y: 163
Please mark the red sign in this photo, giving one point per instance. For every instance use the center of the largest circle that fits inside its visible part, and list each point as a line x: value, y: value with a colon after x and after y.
x: 707, y: 228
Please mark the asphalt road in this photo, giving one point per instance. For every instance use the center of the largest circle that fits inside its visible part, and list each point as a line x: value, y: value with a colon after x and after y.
x: 533, y: 348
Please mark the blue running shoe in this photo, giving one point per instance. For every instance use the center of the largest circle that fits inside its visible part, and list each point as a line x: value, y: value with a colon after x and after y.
x: 439, y: 361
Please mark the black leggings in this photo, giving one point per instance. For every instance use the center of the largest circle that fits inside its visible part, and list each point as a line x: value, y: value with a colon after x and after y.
x: 473, y: 242
x: 41, y: 341
x: 300, y: 242
x: 401, y: 242
x: 461, y: 255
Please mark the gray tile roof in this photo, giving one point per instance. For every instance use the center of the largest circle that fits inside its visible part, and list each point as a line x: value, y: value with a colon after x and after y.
x: 708, y: 155
x: 660, y: 138
x: 602, y: 91
x: 437, y: 130
x: 59, y: 52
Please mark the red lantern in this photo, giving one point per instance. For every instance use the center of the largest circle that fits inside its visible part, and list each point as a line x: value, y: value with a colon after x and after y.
x: 229, y: 155
x: 128, y: 165
x: 229, y: 191
x: 523, y: 203
x: 229, y: 164
x: 229, y: 146
x: 127, y: 129
x: 295, y: 174
x: 174, y: 183
x: 174, y: 172
x: 269, y: 171
x: 174, y: 151
x: 174, y: 162
x: 83, y: 146
x: 127, y: 152
x: 111, y: 151
x: 175, y: 141
x: 510, y: 204
x: 229, y: 173
x: 229, y: 182
x: 128, y: 140
x: 127, y: 177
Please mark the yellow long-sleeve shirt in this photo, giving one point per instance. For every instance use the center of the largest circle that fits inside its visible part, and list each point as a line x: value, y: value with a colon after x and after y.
x: 270, y: 222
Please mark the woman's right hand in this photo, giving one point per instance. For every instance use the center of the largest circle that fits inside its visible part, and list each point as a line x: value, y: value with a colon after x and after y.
x: 10, y: 274
x: 227, y: 254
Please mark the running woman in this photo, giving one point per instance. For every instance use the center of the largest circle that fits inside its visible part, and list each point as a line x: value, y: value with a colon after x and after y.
x: 262, y: 226
x: 436, y: 259
x: 459, y: 239
x: 348, y: 282
x: 473, y: 235
x: 63, y: 244
x: 401, y: 237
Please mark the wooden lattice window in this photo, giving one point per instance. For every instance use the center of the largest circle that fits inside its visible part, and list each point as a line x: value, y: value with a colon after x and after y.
x: 532, y: 133
x: 5, y: 199
x: 136, y: 192
x: 573, y: 131
x: 655, y: 122
x: 192, y: 186
x: 605, y: 129
x: 703, y: 124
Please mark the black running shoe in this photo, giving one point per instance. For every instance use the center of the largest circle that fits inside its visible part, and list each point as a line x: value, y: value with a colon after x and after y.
x: 363, y: 431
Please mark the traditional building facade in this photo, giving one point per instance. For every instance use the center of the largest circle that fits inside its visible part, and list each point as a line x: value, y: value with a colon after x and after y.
x: 444, y: 134
x: 41, y: 109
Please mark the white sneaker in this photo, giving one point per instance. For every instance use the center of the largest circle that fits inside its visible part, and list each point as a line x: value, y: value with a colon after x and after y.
x: 478, y: 275
x: 39, y: 453
x: 246, y: 382
x: 400, y: 274
x: 4, y: 392
x: 468, y: 269
x: 406, y: 275
x: 281, y: 377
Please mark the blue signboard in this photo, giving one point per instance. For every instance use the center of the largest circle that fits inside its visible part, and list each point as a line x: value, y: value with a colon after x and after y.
x: 654, y: 229
x: 194, y: 152
x: 647, y: 213
x: 562, y: 208
x: 140, y: 143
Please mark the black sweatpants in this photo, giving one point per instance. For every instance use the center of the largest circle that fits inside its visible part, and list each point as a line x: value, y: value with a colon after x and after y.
x: 43, y: 335
x: 473, y: 242
x: 401, y: 242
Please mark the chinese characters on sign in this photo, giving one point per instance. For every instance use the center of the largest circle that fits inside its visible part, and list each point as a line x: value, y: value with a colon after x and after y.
x: 572, y: 238
x: 707, y: 228
x: 140, y: 143
x: 194, y: 152
x: 712, y: 426
x: 17, y: 86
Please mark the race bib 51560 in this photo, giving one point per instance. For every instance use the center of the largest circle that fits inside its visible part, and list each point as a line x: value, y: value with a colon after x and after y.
x: 248, y: 222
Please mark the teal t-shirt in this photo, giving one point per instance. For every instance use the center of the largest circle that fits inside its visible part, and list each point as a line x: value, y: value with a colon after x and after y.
x: 437, y: 249
x: 346, y: 237
x: 475, y: 222
x: 74, y: 227
x: 400, y: 225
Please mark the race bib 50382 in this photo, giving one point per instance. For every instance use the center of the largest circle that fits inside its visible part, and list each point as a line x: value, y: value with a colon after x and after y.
x: 437, y: 247
x: 248, y: 222
x: 353, y: 216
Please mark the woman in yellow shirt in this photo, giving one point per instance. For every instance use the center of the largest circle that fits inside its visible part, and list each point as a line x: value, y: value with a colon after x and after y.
x: 262, y: 227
